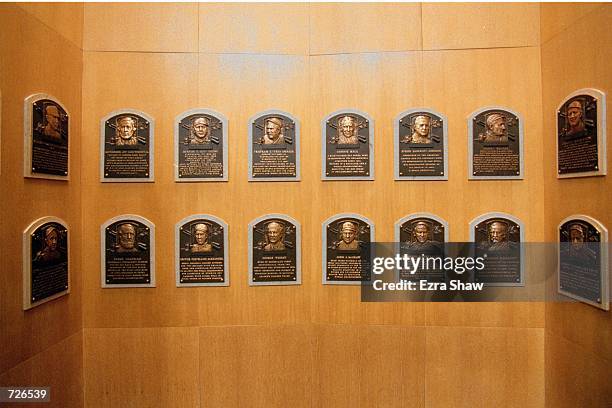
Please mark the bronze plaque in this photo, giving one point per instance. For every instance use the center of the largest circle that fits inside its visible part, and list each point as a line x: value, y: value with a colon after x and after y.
x: 127, y: 147
x: 582, y: 261
x: 274, y: 147
x: 580, y: 135
x: 274, y: 251
x: 346, y: 249
x: 46, y: 138
x: 496, y: 144
x: 201, y: 146
x: 420, y: 146
x: 47, y: 261
x: 422, y: 235
x: 128, y: 252
x: 201, y: 252
x: 348, y: 147
x: 497, y: 239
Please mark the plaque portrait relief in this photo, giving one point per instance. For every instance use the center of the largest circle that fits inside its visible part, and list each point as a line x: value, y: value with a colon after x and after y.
x: 583, y: 261
x: 495, y: 144
x: 581, y: 134
x: 45, y: 261
x: 46, y: 139
x: 275, y: 251
x: 200, y: 142
x: 274, y: 147
x: 497, y: 237
x: 346, y: 249
x: 127, y: 252
x: 126, y: 147
x: 422, y: 234
x: 347, y: 146
x: 201, y: 251
x: 420, y: 146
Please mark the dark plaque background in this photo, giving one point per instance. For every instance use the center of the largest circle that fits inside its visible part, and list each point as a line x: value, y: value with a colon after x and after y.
x: 273, y: 160
x: 49, y: 264
x: 580, y: 264
x: 274, y: 264
x: 578, y: 151
x: 204, y: 266
x: 348, y: 265
x: 128, y: 267
x: 433, y: 246
x: 347, y: 160
x: 502, y: 259
x: 495, y: 158
x: 49, y: 144
x: 203, y: 160
x: 126, y: 161
x: 421, y: 159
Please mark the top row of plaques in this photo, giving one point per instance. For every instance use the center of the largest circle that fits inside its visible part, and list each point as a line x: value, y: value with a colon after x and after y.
x: 495, y: 143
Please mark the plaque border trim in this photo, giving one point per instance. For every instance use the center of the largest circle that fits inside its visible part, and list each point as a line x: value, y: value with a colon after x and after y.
x: 151, y: 177
x: 298, y: 252
x: 605, y: 279
x: 396, y: 145
x: 177, y: 121
x: 28, y: 135
x: 470, y: 120
x: 324, y: 177
x: 324, y: 245
x: 601, y: 133
x: 27, y: 264
x: 177, y: 250
x: 495, y: 214
x: 127, y: 217
x: 297, y: 146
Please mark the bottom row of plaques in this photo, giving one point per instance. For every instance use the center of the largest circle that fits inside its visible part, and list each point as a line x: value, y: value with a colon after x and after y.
x: 201, y: 252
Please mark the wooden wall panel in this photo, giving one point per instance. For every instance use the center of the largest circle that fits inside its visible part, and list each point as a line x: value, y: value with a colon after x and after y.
x: 486, y: 367
x: 59, y: 367
x: 256, y: 366
x: 25, y: 43
x: 460, y: 26
x: 143, y: 367
x: 361, y: 27
x: 65, y: 18
x: 264, y: 28
x: 158, y: 27
x: 369, y: 366
x: 557, y: 17
x: 578, y: 336
x: 162, y: 85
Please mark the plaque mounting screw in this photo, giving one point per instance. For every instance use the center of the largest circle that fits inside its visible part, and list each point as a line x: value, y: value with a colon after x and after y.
x: 596, y: 168
x: 33, y: 168
x: 146, y: 174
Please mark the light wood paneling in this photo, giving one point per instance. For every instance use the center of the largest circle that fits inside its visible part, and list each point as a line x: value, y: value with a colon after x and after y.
x: 578, y: 336
x: 254, y: 28
x: 162, y: 85
x: 59, y: 367
x: 456, y: 25
x: 575, y: 376
x: 469, y: 367
x: 146, y: 367
x: 256, y: 366
x: 65, y: 18
x: 25, y: 334
x: 366, y: 366
x: 557, y: 17
x: 362, y: 27
x: 382, y: 85
x: 158, y: 27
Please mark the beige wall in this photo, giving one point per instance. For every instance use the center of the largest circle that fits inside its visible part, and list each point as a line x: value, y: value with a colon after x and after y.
x: 578, y: 336
x: 307, y: 345
x: 40, y: 51
x: 314, y: 345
